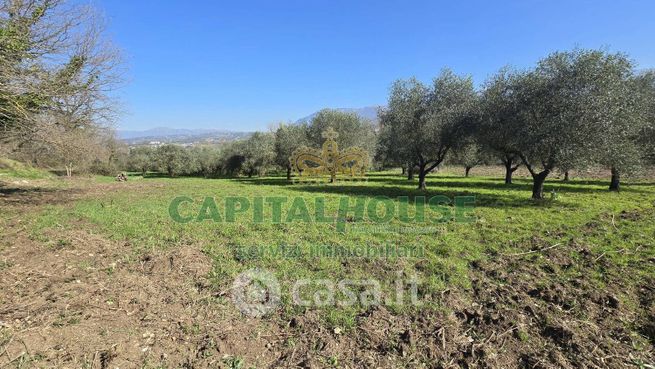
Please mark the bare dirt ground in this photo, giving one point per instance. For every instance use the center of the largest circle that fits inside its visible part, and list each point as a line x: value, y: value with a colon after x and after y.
x: 89, y: 302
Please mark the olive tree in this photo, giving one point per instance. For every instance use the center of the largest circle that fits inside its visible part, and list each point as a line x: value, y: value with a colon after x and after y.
x: 258, y: 152
x: 232, y: 158
x: 388, y: 150
x: 469, y: 155
x: 407, y: 105
x: 423, y: 124
x: 173, y: 160
x: 205, y: 159
x: 499, y: 123
x: 288, y: 137
x: 565, y: 107
x: 352, y: 129
x: 620, y: 114
x: 141, y: 159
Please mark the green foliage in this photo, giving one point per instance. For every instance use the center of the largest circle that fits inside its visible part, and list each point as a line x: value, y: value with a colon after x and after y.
x: 469, y: 155
x: 103, y: 168
x: 259, y: 153
x: 252, y: 156
x: 575, y: 109
x: 141, y: 159
x: 206, y: 160
x: 499, y: 121
x: 233, y: 362
x: 406, y: 107
x: 421, y: 125
x: 567, y: 105
x: 173, y: 160
x: 646, y: 85
x: 288, y: 137
x: 352, y: 130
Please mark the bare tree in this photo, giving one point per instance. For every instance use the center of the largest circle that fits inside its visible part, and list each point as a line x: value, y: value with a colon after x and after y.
x: 57, y: 72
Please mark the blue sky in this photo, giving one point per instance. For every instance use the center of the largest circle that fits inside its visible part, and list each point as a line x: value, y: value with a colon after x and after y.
x: 242, y: 65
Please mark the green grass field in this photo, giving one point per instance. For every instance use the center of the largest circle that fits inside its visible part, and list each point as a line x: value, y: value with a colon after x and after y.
x: 515, y: 282
x: 506, y: 223
x: 11, y: 169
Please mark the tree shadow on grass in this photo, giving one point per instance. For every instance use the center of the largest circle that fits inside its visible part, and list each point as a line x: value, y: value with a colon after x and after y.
x: 36, y: 196
x: 159, y: 175
x: 267, y: 181
x: 498, y: 183
x: 154, y: 175
x: 450, y: 190
x: 400, y: 193
x: 448, y: 182
x: 409, y: 195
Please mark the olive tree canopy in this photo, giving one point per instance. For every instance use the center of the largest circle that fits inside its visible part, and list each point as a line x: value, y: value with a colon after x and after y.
x: 499, y: 121
x: 568, y: 109
x: 421, y: 125
x: 352, y: 129
x: 288, y: 137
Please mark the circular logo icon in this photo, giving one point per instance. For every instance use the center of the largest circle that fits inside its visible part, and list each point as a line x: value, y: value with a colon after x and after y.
x: 256, y: 292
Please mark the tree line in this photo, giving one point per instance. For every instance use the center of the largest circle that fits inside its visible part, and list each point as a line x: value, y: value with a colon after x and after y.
x: 257, y: 155
x: 574, y: 109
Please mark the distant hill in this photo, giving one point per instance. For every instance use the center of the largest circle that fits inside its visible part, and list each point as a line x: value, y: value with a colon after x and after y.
x: 367, y: 112
x: 160, y: 135
x: 162, y: 132
x: 179, y: 135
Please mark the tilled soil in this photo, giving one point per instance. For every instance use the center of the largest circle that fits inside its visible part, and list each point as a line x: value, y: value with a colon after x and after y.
x: 89, y: 302
x: 510, y: 319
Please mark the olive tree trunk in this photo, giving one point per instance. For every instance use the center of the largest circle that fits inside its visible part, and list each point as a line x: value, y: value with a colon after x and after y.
x: 424, y: 168
x: 615, y: 183
x: 421, y: 177
x: 508, y: 172
x: 538, y: 180
x: 410, y: 172
x: 509, y: 169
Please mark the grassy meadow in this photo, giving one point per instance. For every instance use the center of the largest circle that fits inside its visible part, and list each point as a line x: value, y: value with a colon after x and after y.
x: 564, y: 281
x: 617, y: 227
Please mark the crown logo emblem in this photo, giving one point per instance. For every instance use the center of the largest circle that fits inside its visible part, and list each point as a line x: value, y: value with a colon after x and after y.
x: 329, y: 160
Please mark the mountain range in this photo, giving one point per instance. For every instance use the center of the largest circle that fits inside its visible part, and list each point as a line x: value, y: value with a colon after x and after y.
x: 367, y: 112
x: 190, y: 135
x: 164, y: 132
x: 179, y: 135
